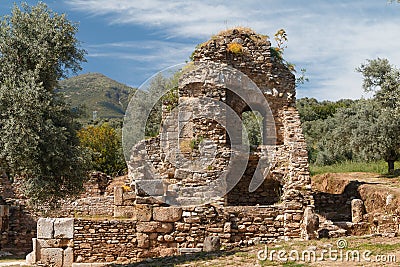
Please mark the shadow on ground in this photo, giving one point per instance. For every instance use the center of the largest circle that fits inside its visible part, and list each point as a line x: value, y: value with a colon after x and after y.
x: 181, y: 259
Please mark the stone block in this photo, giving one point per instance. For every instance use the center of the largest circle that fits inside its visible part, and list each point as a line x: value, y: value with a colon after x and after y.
x: 124, y: 211
x: 68, y: 257
x: 52, y: 257
x: 167, y: 214
x: 143, y: 212
x: 188, y: 250
x: 4, y: 210
x: 64, y: 228
x: 30, y: 259
x: 45, y: 228
x: 52, y: 243
x: 118, y: 195
x: 151, y: 200
x: 153, y: 187
x: 154, y: 227
x: 139, y: 212
x: 357, y: 210
x: 167, y: 252
x: 211, y: 243
x: 143, y: 240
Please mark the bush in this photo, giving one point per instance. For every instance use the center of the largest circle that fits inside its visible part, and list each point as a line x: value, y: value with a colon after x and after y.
x: 105, y: 145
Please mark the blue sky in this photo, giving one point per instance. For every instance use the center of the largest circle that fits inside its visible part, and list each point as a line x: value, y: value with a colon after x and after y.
x: 130, y: 40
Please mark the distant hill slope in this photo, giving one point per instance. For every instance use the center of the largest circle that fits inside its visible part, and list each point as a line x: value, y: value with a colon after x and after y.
x: 97, y: 93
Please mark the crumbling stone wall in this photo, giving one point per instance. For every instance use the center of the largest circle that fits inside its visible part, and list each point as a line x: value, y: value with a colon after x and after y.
x: 200, y: 90
x: 156, y: 215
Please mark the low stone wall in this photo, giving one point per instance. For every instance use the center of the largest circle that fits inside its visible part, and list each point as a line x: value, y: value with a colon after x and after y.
x: 155, y: 232
x: 54, y: 243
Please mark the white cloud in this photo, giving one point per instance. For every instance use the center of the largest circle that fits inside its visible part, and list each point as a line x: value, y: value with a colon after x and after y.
x: 155, y: 54
x: 328, y: 38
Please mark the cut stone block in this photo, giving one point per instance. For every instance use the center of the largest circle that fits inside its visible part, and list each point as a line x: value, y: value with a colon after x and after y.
x: 154, y: 227
x: 167, y: 214
x: 52, y: 243
x: 143, y: 213
x: 45, y: 228
x: 211, y: 243
x: 52, y: 257
x: 118, y: 195
x: 139, y: 212
x: 4, y: 210
x: 188, y: 250
x: 124, y: 211
x: 30, y: 259
x: 152, y: 187
x: 64, y: 228
x: 68, y: 257
x: 143, y: 240
x: 357, y: 210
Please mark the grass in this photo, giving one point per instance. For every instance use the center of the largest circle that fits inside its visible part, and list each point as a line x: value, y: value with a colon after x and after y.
x: 378, y: 248
x: 379, y: 167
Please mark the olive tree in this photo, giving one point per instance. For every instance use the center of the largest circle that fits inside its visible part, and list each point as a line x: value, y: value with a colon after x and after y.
x: 38, y: 141
x: 378, y: 134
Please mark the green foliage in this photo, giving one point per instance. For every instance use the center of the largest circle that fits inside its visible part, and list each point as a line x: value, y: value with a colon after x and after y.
x: 194, y: 143
x: 281, y: 40
x: 37, y: 129
x: 311, y: 110
x: 104, y: 143
x: 96, y: 92
x: 350, y: 166
x: 316, y: 124
x: 364, y: 130
x: 252, y: 123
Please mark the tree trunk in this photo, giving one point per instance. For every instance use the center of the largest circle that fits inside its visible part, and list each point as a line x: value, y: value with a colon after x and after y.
x: 390, y: 166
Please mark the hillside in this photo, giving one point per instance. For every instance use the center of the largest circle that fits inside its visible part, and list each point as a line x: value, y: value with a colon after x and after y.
x: 97, y: 93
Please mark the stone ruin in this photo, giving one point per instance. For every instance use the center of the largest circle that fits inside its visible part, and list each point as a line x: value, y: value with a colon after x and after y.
x: 180, y: 198
x: 214, y: 92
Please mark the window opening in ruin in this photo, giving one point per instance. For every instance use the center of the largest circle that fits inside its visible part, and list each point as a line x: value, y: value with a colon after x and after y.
x: 252, y: 123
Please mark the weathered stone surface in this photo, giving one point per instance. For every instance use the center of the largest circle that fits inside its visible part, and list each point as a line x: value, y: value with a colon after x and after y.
x: 139, y: 212
x: 124, y: 211
x: 167, y: 214
x: 68, y: 257
x: 64, y: 228
x: 310, y: 224
x: 52, y: 243
x: 357, y: 210
x: 118, y: 195
x: 152, y: 227
x: 30, y: 259
x: 52, y: 257
x: 143, y: 240
x: 143, y: 212
x: 211, y: 243
x: 4, y: 210
x: 45, y: 228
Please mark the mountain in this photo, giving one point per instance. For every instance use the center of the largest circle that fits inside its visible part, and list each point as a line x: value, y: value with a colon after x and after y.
x: 99, y: 95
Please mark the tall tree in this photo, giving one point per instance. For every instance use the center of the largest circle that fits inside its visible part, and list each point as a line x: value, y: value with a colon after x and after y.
x: 38, y: 139
x: 383, y: 79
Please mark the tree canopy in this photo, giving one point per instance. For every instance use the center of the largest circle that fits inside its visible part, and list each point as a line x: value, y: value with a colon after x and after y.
x: 37, y: 129
x: 365, y: 129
